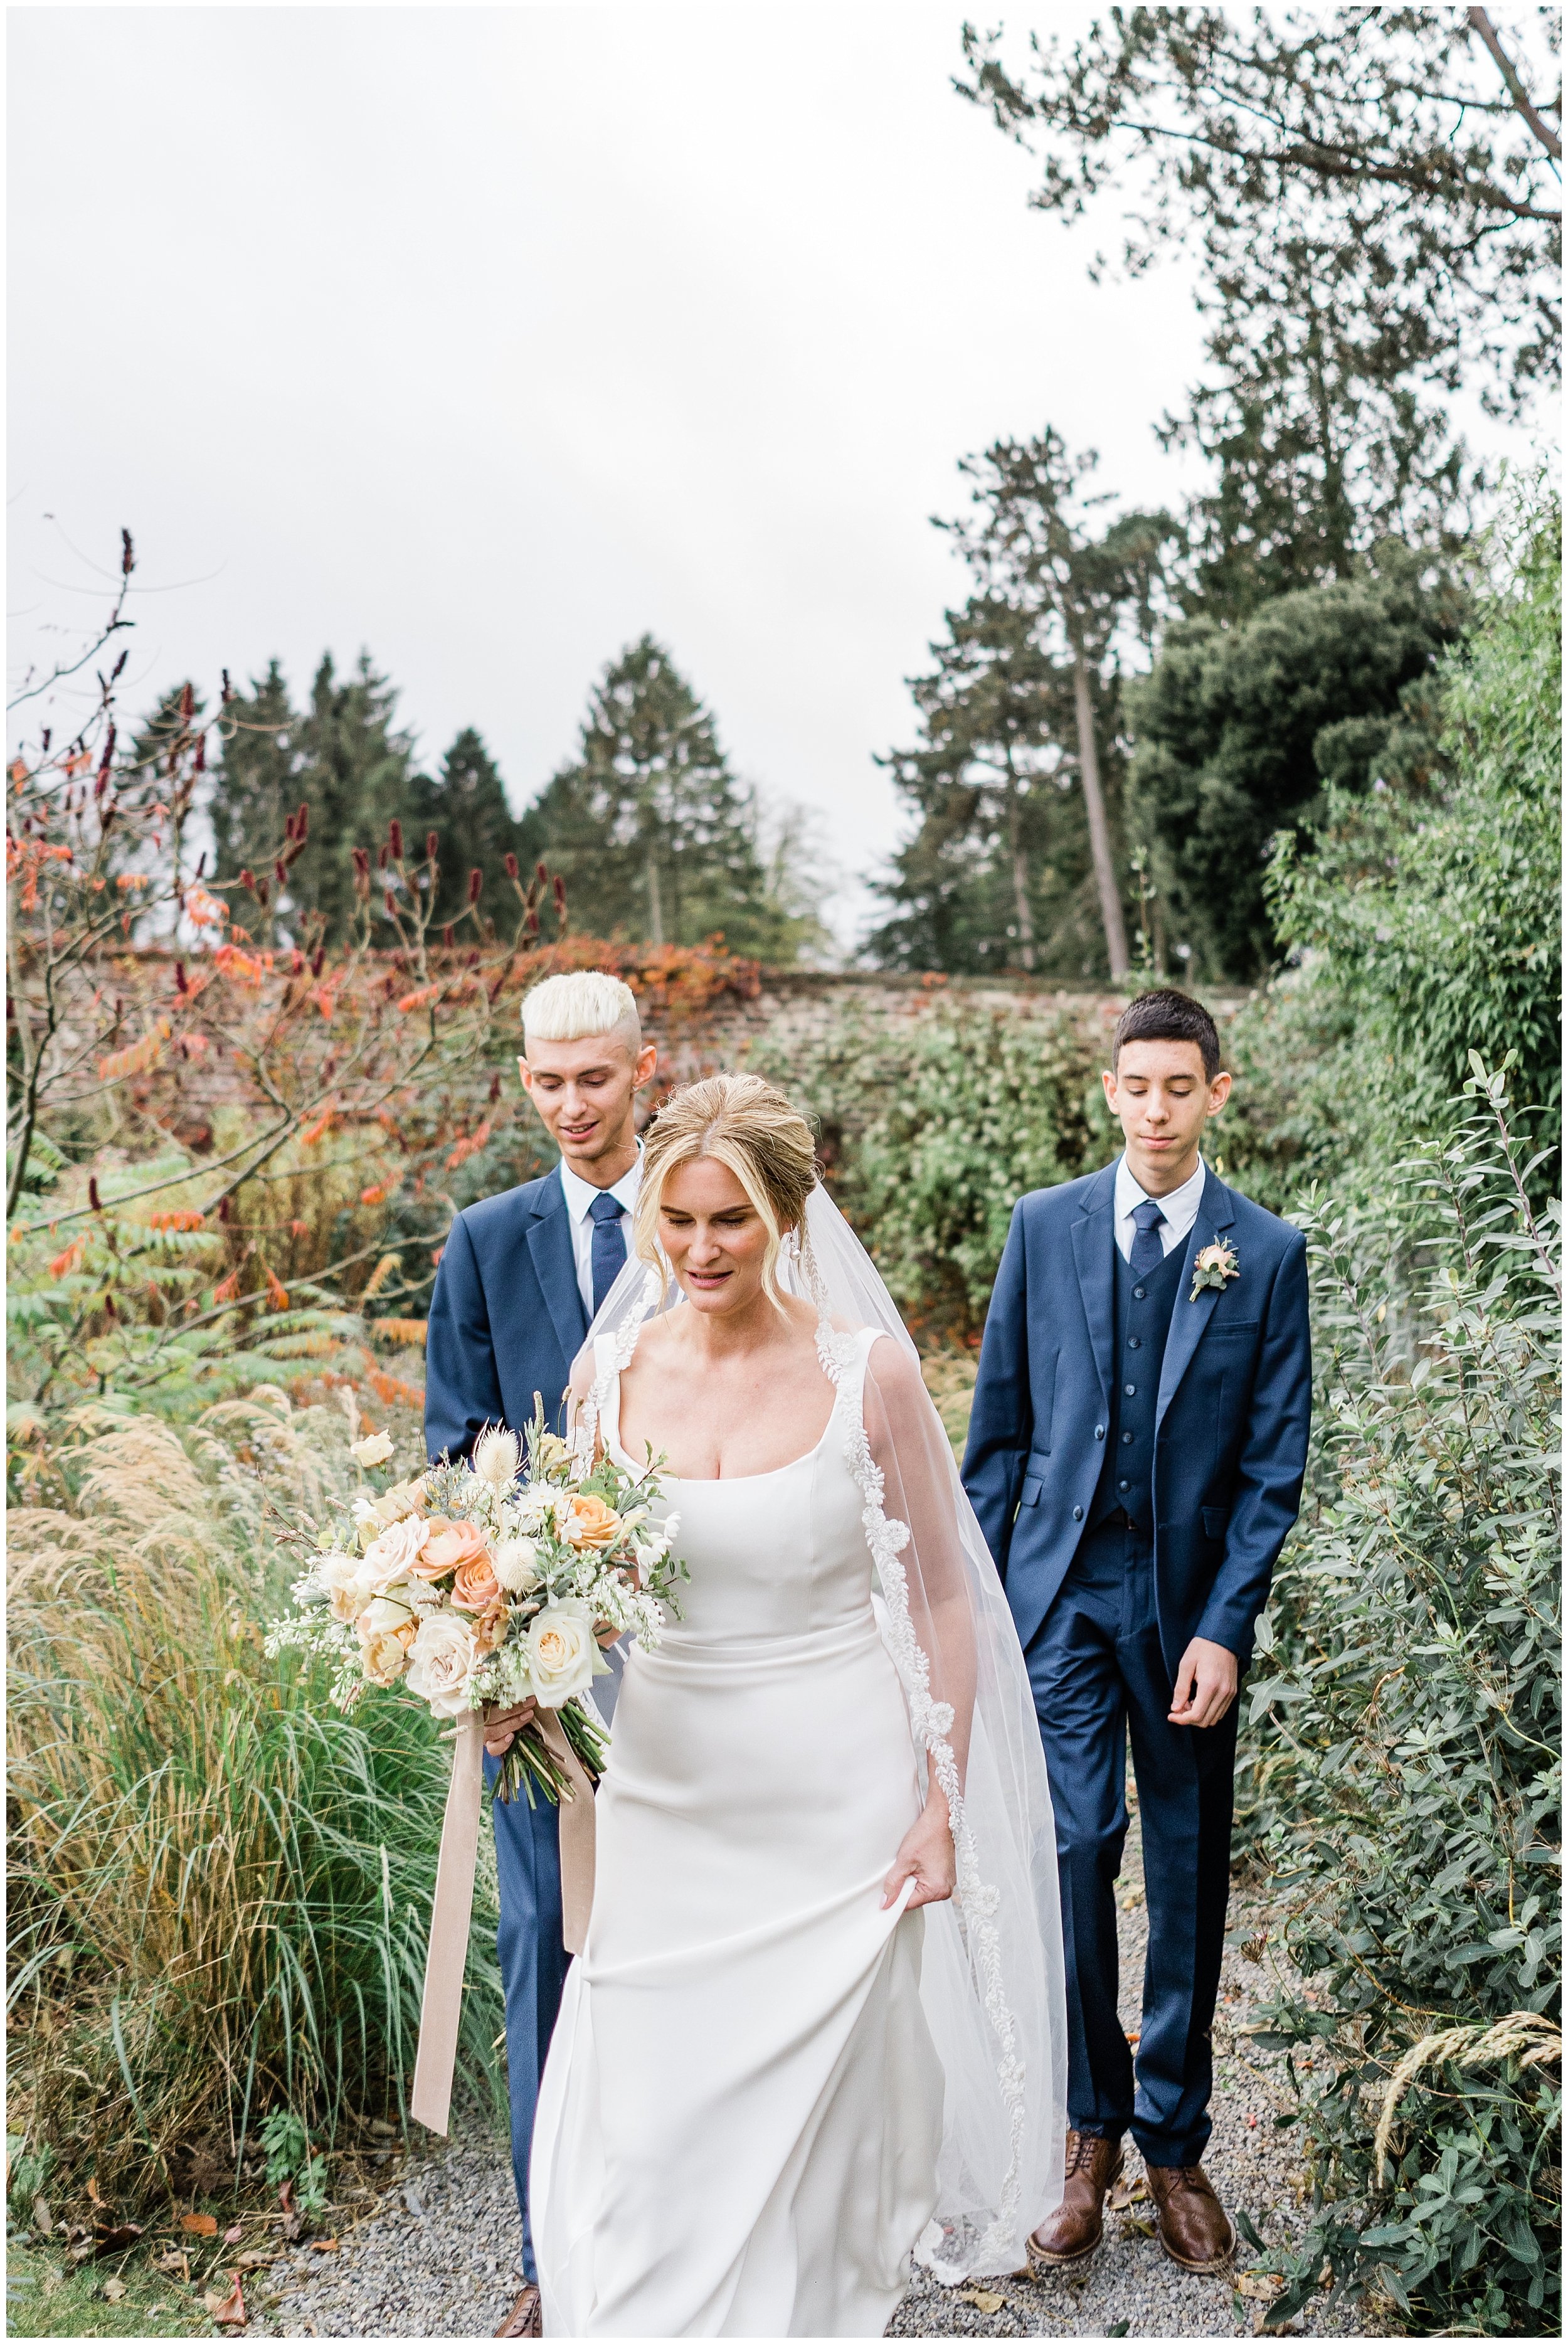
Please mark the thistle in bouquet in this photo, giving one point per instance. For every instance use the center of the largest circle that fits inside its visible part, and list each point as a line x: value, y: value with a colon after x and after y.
x: 489, y: 1583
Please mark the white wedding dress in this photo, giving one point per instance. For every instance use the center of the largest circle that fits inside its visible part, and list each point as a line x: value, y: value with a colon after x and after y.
x: 740, y: 2120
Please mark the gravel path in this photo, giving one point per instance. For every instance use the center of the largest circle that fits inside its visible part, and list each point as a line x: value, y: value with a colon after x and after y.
x: 438, y: 2254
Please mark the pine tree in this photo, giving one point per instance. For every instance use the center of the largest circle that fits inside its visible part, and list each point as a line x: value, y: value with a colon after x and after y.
x: 465, y: 804
x: 1031, y: 542
x: 996, y: 874
x: 653, y: 833
x: 356, y: 774
x: 256, y: 787
x: 1371, y: 194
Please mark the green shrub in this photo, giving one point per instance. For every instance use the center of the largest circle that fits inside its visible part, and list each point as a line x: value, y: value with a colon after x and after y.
x: 1426, y: 915
x: 934, y: 1129
x: 1411, y: 1665
x: 219, y: 1887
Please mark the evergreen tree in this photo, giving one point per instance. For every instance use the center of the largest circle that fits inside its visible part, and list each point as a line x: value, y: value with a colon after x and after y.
x: 1372, y: 194
x: 356, y: 775
x: 999, y: 872
x: 1032, y: 543
x: 257, y: 785
x: 648, y: 827
x: 465, y: 805
x: 1238, y: 730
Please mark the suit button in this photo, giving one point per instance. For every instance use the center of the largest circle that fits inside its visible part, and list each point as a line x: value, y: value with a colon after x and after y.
x: 1126, y: 1441
x: 1078, y: 1513
x: 1124, y: 1485
x: 1100, y: 1432
x: 1137, y: 1294
x: 1131, y: 1391
x: 1134, y: 1342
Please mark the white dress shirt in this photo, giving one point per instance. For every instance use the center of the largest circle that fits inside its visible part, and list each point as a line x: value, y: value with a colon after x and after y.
x: 1181, y: 1209
x: 579, y: 1194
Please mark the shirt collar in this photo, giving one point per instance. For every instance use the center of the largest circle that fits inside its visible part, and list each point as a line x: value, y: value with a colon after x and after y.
x: 1180, y: 1203
x: 579, y: 1193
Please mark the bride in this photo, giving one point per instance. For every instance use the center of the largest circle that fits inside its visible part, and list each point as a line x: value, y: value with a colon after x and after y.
x: 818, y: 2024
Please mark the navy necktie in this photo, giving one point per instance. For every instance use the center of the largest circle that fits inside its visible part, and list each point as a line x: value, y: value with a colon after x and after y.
x: 1148, y: 1253
x: 609, y: 1255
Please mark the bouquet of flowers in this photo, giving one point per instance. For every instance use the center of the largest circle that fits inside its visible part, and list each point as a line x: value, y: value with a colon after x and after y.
x: 491, y: 1581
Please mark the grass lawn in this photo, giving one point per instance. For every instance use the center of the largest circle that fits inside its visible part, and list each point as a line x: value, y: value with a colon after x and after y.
x: 48, y: 2295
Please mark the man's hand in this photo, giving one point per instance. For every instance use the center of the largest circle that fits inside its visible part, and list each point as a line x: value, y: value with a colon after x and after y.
x: 503, y: 1728
x: 1205, y: 1683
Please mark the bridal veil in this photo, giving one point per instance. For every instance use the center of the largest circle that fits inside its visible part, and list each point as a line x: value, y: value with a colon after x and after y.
x: 992, y: 1981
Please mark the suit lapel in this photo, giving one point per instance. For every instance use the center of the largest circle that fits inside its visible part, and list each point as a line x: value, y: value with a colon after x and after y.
x: 1188, y: 1318
x: 1093, y: 1238
x: 549, y: 1247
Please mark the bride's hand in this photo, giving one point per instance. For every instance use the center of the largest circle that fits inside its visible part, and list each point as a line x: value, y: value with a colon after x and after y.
x: 501, y: 1726
x: 925, y: 1857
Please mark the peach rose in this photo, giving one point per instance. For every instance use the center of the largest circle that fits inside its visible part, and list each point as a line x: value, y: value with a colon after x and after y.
x: 476, y: 1587
x: 449, y: 1545
x: 590, y: 1522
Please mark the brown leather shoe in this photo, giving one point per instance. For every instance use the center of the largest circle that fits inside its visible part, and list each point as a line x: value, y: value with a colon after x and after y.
x: 1077, y: 2227
x: 1195, y: 2229
x: 525, y: 2317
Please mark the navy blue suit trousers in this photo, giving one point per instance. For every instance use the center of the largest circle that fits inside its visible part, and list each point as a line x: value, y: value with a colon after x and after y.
x: 506, y: 1322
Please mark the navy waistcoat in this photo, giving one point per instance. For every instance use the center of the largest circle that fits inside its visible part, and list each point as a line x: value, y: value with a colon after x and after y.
x: 1143, y: 1307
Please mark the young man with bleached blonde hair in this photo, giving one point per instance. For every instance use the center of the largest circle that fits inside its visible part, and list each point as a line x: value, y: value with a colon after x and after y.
x: 520, y: 1276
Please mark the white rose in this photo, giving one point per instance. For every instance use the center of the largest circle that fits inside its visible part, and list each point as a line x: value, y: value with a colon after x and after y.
x: 390, y: 1556
x: 562, y: 1657
x: 374, y: 1449
x: 345, y: 1582
x: 381, y: 1615
x: 497, y: 1457
x: 516, y: 1562
x: 441, y: 1663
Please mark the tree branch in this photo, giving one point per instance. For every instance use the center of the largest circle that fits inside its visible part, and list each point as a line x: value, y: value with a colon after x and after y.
x: 1480, y: 21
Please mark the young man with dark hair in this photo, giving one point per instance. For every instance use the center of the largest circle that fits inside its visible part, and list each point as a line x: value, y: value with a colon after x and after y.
x: 1136, y: 1456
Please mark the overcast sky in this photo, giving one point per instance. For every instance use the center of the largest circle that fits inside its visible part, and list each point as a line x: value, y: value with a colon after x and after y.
x: 488, y: 338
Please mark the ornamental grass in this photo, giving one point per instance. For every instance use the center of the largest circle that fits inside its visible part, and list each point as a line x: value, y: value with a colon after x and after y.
x: 219, y: 1888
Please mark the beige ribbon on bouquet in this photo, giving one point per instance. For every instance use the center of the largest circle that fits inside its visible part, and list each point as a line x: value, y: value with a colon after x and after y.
x: 441, y: 2010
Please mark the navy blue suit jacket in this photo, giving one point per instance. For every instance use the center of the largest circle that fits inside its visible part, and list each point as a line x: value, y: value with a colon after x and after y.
x: 506, y: 1318
x: 1231, y: 1418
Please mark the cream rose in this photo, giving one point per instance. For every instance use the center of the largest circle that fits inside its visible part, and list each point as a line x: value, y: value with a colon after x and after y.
x: 393, y: 1555
x: 402, y: 1499
x: 386, y: 1632
x: 517, y: 1566
x: 374, y: 1449
x: 562, y: 1657
x: 346, y: 1583
x: 441, y: 1663
x: 496, y: 1457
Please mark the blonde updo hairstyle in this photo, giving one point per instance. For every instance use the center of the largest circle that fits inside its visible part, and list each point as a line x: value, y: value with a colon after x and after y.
x: 743, y: 1123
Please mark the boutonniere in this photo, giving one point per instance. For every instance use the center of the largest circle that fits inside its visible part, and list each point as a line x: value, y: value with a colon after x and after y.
x: 1214, y: 1264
